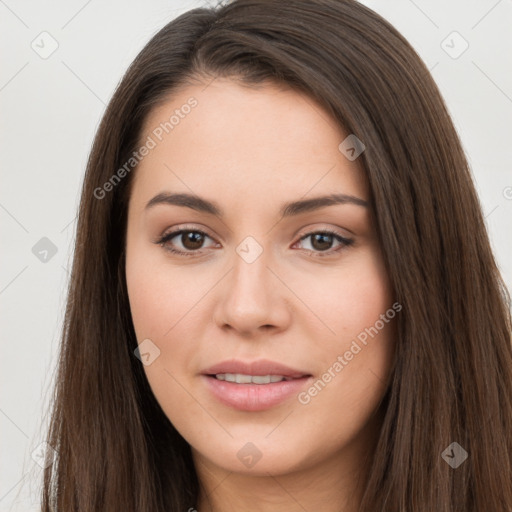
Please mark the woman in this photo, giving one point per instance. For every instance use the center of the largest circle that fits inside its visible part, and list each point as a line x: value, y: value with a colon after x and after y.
x: 283, y: 295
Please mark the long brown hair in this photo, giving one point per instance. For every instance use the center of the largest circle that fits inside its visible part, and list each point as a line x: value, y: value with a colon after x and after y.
x: 452, y: 376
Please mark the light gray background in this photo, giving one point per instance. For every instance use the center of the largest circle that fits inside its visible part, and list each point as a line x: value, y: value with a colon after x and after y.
x: 50, y: 111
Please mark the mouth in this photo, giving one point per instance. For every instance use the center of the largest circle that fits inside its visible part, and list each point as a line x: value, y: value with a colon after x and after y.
x: 253, y: 393
x: 240, y: 378
x: 239, y: 371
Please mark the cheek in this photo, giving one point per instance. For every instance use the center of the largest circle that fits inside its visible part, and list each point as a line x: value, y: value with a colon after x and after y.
x: 354, y: 361
x: 160, y: 295
x: 167, y: 308
x: 350, y: 298
x: 162, y: 303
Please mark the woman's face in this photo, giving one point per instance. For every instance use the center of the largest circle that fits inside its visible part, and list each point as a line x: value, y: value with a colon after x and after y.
x: 258, y: 286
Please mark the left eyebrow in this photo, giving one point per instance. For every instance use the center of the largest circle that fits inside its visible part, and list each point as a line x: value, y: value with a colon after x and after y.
x: 308, y: 205
x: 287, y: 210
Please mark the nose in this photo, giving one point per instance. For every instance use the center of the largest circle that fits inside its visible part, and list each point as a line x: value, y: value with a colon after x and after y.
x: 252, y: 298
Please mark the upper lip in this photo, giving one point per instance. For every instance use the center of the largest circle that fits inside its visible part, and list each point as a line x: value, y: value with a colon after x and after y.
x: 260, y: 367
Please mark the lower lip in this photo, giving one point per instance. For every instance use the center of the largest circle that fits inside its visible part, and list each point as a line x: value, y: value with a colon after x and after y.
x: 254, y: 397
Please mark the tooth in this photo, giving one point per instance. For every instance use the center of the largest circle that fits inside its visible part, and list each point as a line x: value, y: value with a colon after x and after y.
x: 261, y: 379
x: 240, y: 378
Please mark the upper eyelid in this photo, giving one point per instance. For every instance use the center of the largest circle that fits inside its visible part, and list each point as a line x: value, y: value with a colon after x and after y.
x: 176, y: 231
x: 301, y: 234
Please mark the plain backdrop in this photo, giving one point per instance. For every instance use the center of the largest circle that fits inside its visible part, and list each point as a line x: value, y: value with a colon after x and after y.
x: 51, y: 106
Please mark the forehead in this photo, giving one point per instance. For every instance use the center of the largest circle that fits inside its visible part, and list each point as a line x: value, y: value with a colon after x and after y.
x: 231, y: 138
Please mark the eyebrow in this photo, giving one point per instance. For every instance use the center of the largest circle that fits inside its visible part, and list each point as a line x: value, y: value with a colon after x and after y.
x: 287, y: 210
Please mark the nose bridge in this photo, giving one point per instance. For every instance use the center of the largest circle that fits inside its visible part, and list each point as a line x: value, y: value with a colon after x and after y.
x: 251, y: 298
x: 250, y: 273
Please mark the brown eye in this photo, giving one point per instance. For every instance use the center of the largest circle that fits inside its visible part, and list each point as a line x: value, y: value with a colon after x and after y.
x: 192, y: 239
x: 321, y: 242
x: 186, y: 242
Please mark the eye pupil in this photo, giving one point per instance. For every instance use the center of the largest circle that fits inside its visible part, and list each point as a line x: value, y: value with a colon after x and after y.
x: 322, y: 236
x: 192, y: 239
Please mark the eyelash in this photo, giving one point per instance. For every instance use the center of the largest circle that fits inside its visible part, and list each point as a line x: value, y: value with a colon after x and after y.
x: 344, y: 242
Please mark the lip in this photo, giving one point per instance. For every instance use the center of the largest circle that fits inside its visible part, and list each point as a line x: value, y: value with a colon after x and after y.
x: 260, y: 367
x: 254, y: 397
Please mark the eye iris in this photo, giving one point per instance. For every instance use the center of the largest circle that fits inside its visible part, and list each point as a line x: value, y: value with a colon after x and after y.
x: 324, y: 245
x: 192, y: 237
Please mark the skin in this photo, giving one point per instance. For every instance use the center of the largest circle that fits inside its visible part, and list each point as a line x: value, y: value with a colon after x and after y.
x: 250, y: 150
